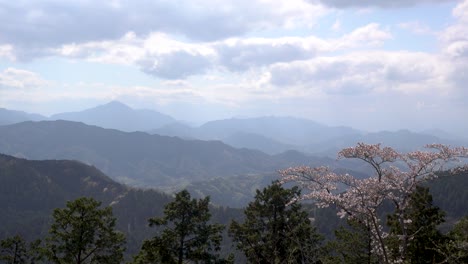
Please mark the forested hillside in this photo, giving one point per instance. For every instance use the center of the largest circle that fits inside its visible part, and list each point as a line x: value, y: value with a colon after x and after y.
x: 135, y: 158
x: 30, y: 190
x: 141, y: 159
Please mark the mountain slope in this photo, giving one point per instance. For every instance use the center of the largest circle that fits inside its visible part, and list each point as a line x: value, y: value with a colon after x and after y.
x: 8, y: 117
x: 402, y: 140
x: 288, y: 130
x: 31, y: 189
x: 268, y: 134
x: 276, y: 134
x: 136, y: 158
x: 256, y: 141
x: 119, y: 116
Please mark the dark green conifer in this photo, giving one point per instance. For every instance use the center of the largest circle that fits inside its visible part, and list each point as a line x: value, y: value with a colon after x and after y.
x: 276, y: 229
x: 84, y: 233
x: 187, y: 236
x: 423, y: 236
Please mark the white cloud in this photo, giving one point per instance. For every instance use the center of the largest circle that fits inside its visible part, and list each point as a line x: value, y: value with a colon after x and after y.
x: 33, y: 27
x: 417, y: 27
x: 455, y: 37
x: 366, y: 72
x: 17, y: 78
x: 165, y: 57
x: 363, y: 37
x: 374, y: 3
x: 461, y: 11
x: 242, y: 54
x: 6, y: 51
x: 336, y: 26
x: 175, y: 65
x: 454, y: 40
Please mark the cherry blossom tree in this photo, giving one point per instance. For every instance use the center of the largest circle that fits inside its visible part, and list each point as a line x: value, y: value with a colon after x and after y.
x: 395, y: 178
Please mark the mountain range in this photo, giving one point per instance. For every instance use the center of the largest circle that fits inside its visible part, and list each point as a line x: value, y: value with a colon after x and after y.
x: 8, y: 117
x: 154, y: 161
x: 223, y: 158
x: 271, y: 135
x: 274, y: 135
x: 136, y: 158
x: 119, y: 116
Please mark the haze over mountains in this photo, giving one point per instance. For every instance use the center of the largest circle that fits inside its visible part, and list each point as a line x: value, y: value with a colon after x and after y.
x: 137, y: 157
x: 8, y: 117
x: 154, y: 161
x: 118, y: 116
x: 271, y: 135
x: 141, y: 159
x: 231, y: 157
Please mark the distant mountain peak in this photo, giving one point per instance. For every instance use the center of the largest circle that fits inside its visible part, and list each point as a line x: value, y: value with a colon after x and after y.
x: 115, y: 105
x: 118, y: 115
x: 13, y: 116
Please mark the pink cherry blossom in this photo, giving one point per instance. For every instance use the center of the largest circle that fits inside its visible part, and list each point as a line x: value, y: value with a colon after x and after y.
x: 395, y: 179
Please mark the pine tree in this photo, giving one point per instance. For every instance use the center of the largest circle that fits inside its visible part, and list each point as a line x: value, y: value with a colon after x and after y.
x: 352, y: 245
x: 422, y: 218
x: 187, y: 237
x: 276, y: 229
x: 455, y: 250
x: 15, y: 250
x: 84, y: 233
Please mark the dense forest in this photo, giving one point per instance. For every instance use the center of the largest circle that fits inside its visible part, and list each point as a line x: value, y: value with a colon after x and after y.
x: 143, y: 225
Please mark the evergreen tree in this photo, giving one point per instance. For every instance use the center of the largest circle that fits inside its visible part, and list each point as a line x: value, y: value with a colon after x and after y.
x: 276, y: 229
x: 352, y: 245
x: 84, y: 233
x: 422, y: 221
x: 456, y: 249
x: 14, y: 250
x: 187, y: 237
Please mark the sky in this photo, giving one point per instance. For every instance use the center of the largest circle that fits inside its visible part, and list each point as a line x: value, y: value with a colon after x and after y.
x: 373, y: 65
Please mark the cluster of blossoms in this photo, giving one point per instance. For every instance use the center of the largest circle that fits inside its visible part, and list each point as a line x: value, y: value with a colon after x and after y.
x: 395, y: 179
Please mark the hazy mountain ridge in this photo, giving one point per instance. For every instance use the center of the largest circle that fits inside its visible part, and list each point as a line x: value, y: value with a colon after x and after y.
x: 257, y: 141
x: 274, y: 135
x: 402, y: 140
x: 137, y: 157
x: 8, y: 117
x: 117, y: 115
x: 166, y: 163
x: 271, y: 134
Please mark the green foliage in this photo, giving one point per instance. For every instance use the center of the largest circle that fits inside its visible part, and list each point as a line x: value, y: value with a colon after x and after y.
x: 186, y: 236
x: 30, y: 190
x: 352, y: 245
x: 84, y: 233
x: 456, y: 249
x: 424, y: 237
x: 15, y: 250
x: 276, y: 229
